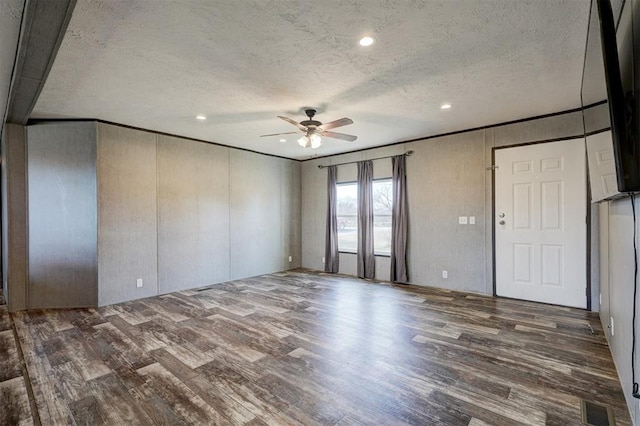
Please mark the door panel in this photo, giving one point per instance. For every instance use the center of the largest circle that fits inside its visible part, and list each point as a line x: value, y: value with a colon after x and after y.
x: 540, y: 204
x: 522, y: 206
x: 552, y: 256
x: 522, y: 260
x: 551, y: 205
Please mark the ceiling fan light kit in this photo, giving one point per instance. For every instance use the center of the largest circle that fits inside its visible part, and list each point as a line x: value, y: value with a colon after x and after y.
x: 310, y: 140
x: 314, y: 130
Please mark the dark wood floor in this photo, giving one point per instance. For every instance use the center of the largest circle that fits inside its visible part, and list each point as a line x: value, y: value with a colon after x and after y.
x: 308, y: 348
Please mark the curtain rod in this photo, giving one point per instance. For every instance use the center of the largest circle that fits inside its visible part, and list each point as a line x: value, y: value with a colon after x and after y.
x: 406, y: 154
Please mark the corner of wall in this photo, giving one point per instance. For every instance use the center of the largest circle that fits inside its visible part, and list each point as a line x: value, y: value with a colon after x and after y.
x: 14, y: 215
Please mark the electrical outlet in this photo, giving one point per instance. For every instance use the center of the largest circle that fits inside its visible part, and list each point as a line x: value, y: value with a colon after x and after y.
x: 472, y: 220
x: 462, y: 220
x: 612, y: 327
x: 322, y: 259
x: 445, y: 274
x: 139, y: 282
x: 290, y: 259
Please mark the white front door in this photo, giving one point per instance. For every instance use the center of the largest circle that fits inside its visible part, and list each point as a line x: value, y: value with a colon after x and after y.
x: 540, y: 223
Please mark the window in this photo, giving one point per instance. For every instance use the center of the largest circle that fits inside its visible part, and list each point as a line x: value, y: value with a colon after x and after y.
x: 382, y: 204
x: 347, y: 215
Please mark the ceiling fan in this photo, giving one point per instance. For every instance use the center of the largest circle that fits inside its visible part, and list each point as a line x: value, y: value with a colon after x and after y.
x: 314, y: 130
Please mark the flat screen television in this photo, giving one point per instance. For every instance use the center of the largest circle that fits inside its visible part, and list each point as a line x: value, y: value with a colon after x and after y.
x: 612, y: 149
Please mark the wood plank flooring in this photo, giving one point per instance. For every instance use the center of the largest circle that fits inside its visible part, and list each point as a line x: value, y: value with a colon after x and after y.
x: 14, y: 401
x: 307, y: 348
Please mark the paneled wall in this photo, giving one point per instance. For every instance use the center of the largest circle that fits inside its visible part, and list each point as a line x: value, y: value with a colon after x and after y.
x: 179, y: 213
x: 109, y: 205
x: 290, y: 215
x: 127, y: 214
x: 447, y: 177
x: 618, y: 288
x: 255, y: 214
x: 61, y: 167
x: 193, y: 213
x: 264, y: 214
x: 14, y: 216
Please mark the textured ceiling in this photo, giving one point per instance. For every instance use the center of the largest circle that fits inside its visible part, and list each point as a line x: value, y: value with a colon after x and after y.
x: 156, y: 65
x: 10, y: 18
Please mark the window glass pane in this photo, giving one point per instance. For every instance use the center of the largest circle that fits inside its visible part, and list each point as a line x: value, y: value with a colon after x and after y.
x: 347, y: 212
x: 382, y: 204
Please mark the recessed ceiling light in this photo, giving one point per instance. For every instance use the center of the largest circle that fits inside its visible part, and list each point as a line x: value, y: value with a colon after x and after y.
x: 445, y: 106
x: 201, y: 117
x: 283, y: 140
x: 366, y: 41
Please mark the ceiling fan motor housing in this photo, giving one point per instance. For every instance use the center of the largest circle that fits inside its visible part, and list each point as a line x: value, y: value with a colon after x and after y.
x: 310, y: 122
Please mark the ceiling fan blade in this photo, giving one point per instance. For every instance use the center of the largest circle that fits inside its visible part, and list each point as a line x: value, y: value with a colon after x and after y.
x: 342, y: 136
x: 336, y: 123
x: 278, y: 134
x: 295, y: 123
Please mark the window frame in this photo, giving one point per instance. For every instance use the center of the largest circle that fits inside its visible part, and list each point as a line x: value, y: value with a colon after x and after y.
x: 355, y: 182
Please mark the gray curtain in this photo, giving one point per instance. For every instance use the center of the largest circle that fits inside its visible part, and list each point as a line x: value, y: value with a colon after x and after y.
x: 331, y: 257
x: 366, y: 259
x: 399, y: 220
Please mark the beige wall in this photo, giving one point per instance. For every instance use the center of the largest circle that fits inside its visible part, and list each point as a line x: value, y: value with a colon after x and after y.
x: 264, y: 214
x: 127, y: 214
x: 110, y: 205
x: 447, y: 177
x: 193, y: 214
x: 617, y: 289
x: 182, y: 214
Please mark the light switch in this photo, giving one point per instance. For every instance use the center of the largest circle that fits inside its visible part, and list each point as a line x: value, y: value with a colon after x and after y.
x: 462, y: 220
x: 472, y: 220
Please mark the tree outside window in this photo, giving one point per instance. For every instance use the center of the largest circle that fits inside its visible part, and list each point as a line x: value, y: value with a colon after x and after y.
x: 382, y: 205
x: 347, y: 215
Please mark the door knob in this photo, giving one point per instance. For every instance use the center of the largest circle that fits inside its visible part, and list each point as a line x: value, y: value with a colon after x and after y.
x: 501, y: 215
x: 502, y: 222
